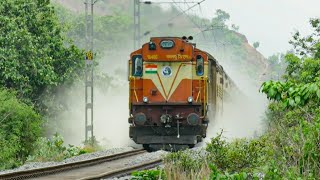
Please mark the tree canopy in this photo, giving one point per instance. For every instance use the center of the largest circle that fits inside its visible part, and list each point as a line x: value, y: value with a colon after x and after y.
x: 20, y: 126
x: 35, y: 57
x: 301, y: 79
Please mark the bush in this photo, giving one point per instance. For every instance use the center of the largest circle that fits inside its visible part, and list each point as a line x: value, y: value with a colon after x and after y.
x: 188, y: 164
x: 239, y: 155
x: 153, y: 174
x: 20, y: 126
x: 91, y: 145
x: 239, y: 159
x: 217, y: 174
x: 294, y: 137
x: 187, y: 160
x: 53, y: 150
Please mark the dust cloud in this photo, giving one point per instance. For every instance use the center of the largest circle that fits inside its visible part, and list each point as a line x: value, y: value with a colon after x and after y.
x: 110, y: 117
x: 243, y: 114
x: 111, y: 109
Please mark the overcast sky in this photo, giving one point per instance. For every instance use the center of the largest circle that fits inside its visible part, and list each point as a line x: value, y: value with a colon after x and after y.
x: 271, y: 22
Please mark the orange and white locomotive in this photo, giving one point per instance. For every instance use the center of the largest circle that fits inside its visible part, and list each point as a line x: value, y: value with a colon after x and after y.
x: 175, y: 91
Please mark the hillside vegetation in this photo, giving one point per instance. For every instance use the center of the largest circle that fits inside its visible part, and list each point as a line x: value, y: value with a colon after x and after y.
x: 114, y: 33
x: 36, y: 59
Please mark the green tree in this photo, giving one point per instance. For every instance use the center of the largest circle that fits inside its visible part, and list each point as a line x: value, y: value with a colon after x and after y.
x: 293, y: 116
x: 222, y: 16
x: 256, y: 45
x: 110, y: 32
x: 277, y: 66
x: 308, y: 46
x: 35, y: 57
x: 36, y: 61
x: 20, y: 126
x: 302, y: 82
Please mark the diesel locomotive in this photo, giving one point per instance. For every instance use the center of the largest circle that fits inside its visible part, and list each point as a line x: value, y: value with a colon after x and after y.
x: 175, y: 90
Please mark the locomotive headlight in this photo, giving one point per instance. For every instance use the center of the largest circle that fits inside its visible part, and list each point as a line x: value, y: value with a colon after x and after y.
x: 193, y: 119
x: 140, y: 119
x: 190, y: 99
x: 145, y: 99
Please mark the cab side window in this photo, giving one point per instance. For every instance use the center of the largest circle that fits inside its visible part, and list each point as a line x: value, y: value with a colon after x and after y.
x: 199, y: 65
x: 137, y: 65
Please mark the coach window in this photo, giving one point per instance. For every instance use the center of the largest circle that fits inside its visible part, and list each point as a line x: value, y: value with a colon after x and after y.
x: 210, y: 71
x: 137, y: 66
x: 199, y: 65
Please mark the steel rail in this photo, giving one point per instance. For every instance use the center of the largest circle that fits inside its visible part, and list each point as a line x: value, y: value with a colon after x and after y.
x: 68, y: 166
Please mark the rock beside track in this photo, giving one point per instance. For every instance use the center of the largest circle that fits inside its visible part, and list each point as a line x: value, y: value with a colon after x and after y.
x: 147, y: 157
x: 36, y: 165
x: 143, y: 158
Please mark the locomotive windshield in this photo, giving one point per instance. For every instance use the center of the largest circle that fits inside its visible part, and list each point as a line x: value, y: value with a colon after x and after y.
x: 199, y: 65
x: 137, y: 66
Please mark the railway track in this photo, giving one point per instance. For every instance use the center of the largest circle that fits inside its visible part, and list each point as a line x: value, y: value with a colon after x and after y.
x: 98, y: 168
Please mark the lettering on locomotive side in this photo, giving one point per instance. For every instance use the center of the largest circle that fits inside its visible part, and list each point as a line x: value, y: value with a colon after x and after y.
x: 154, y: 56
x: 178, y: 56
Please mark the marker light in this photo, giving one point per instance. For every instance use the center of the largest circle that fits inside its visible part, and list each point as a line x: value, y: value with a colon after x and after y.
x: 145, y: 99
x: 190, y: 99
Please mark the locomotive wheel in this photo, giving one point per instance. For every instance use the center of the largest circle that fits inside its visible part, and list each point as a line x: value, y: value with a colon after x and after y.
x: 147, y: 147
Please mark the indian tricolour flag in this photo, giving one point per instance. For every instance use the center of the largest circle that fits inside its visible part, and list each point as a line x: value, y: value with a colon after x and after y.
x: 151, y: 68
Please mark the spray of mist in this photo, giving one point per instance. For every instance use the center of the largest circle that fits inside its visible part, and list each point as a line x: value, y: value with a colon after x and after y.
x: 243, y: 114
x: 111, y: 109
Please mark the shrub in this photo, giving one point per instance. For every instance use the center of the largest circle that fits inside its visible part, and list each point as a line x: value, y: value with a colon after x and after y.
x: 187, y: 164
x: 239, y: 155
x: 294, y: 136
x: 187, y: 160
x: 153, y: 174
x: 239, y: 159
x: 20, y: 126
x: 91, y: 145
x: 53, y: 150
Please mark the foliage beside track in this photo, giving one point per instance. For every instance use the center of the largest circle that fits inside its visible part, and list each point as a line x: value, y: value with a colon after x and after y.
x: 53, y: 150
x: 20, y: 126
x: 36, y: 60
x: 152, y: 174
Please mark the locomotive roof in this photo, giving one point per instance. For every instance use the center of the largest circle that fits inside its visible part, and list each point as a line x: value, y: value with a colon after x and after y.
x: 166, y: 37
